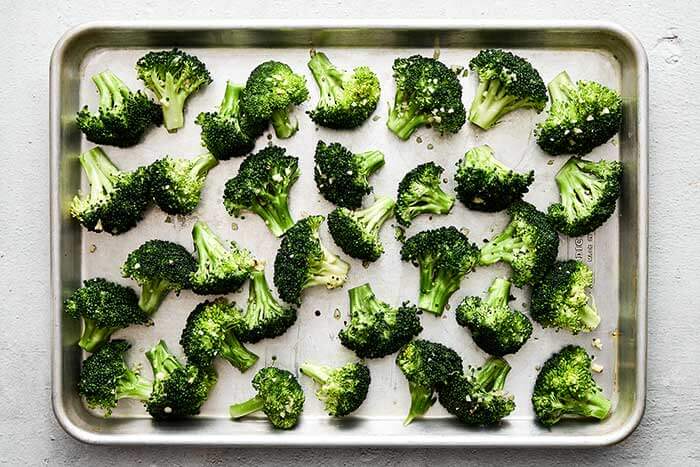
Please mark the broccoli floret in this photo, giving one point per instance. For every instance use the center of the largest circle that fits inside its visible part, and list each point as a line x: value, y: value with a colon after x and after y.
x: 495, y: 328
x: 279, y: 397
x: 477, y: 398
x: 342, y: 390
x: 124, y: 116
x: 486, y: 184
x: 589, y: 191
x: 117, y: 199
x: 176, y: 184
x: 582, y: 116
x: 377, y: 329
x: 303, y: 261
x: 427, y: 93
x: 105, y: 378
x: 427, y: 366
x: 262, y: 186
x: 347, y: 99
x: 265, y: 317
x: 565, y: 387
x: 420, y: 193
x: 444, y: 256
x: 357, y: 232
x: 172, y: 75
x: 506, y: 83
x: 104, y: 307
x: 529, y: 244
x: 560, y: 299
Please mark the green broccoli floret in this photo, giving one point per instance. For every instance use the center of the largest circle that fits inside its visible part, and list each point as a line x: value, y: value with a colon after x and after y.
x: 506, y: 83
x: 116, y: 201
x: 279, y: 397
x: 589, y: 191
x: 262, y: 186
x: 357, y: 232
x: 347, y: 99
x: 529, y: 244
x: 303, y: 261
x: 427, y: 93
x: 565, y: 387
x: 377, y: 329
x: 560, y: 299
x: 105, y: 307
x: 495, y: 328
x: 420, y: 193
x: 264, y: 317
x: 124, y: 116
x: 444, y: 256
x: 427, y: 366
x: 342, y: 390
x: 582, y: 116
x: 172, y: 75
x: 486, y: 184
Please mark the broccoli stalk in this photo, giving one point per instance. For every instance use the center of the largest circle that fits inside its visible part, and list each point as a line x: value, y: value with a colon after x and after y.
x: 493, y: 373
x: 235, y: 353
x: 357, y: 233
x: 491, y: 102
x: 93, y: 336
x: 330, y: 271
x: 504, y: 247
x: 406, y: 117
x: 436, y: 287
x: 498, y: 293
x: 264, y: 316
x: 252, y: 405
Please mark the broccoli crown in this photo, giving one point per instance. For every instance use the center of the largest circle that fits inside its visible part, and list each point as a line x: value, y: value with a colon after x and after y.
x: 262, y: 187
x: 346, y: 99
x: 560, y: 299
x: 220, y: 270
x: 427, y: 93
x: 279, y: 396
x: 123, y: 116
x: 342, y: 389
x: 444, y: 256
x: 477, y: 397
x: 377, y: 329
x: 116, y: 201
x: 565, y: 386
x: 420, y: 193
x: 582, y: 116
x: 506, y: 83
x: 105, y: 378
x: 357, y: 232
x: 265, y: 317
x: 303, y: 261
x: 589, y: 191
x: 176, y: 184
x: 172, y: 75
x: 495, y: 328
x: 529, y: 244
x: 486, y: 184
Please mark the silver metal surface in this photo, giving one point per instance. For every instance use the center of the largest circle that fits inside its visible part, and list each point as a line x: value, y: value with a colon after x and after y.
x: 617, y: 251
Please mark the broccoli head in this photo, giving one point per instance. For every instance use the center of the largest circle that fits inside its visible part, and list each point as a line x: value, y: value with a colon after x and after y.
x: 342, y: 390
x: 264, y: 317
x: 357, y: 232
x: 420, y: 193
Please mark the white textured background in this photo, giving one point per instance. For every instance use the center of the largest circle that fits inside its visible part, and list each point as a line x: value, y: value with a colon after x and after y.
x: 669, y: 433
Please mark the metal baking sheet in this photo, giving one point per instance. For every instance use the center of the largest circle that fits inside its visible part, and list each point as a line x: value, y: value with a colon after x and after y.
x: 616, y: 251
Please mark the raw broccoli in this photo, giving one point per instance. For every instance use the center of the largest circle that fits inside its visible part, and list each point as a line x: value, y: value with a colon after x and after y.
x: 117, y: 199
x: 176, y: 184
x: 172, y: 75
x: 589, y: 191
x: 444, y: 256
x: 477, y: 398
x: 565, y: 387
x: 529, y: 244
x: 303, y: 261
x: 560, y: 299
x: 427, y: 366
x: 279, y: 397
x: 342, y: 176
x: 342, y: 390
x: 506, y: 83
x: 377, y: 329
x: 582, y: 116
x: 347, y: 99
x: 486, y: 184
x: 124, y: 116
x: 357, y: 232
x: 104, y: 307
x: 262, y: 186
x: 264, y: 316
x: 495, y: 328
x: 420, y: 193
x: 427, y: 93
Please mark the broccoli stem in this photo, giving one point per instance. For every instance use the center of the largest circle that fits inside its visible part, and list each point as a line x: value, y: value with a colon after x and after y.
x: 561, y: 87
x: 370, y: 161
x: 208, y: 244
x: 285, y: 126
x: 172, y: 101
x: 133, y: 386
x: 434, y: 201
x: 498, y: 293
x: 319, y: 373
x: 202, y: 164
x: 261, y: 303
x: 577, y: 188
x: 163, y: 363
x: 594, y: 405
x: 362, y: 298
x: 245, y: 408
x: 492, y: 376
x: 421, y: 400
x: 404, y: 118
x: 328, y: 78
x: 275, y: 214
x: 100, y: 172
x: 230, y: 105
x: 374, y: 216
x: 152, y: 295
x: 236, y: 354
x: 435, y: 296
x: 93, y: 336
x: 103, y: 88
x: 590, y: 317
x: 330, y: 271
x: 501, y: 248
x: 490, y: 103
